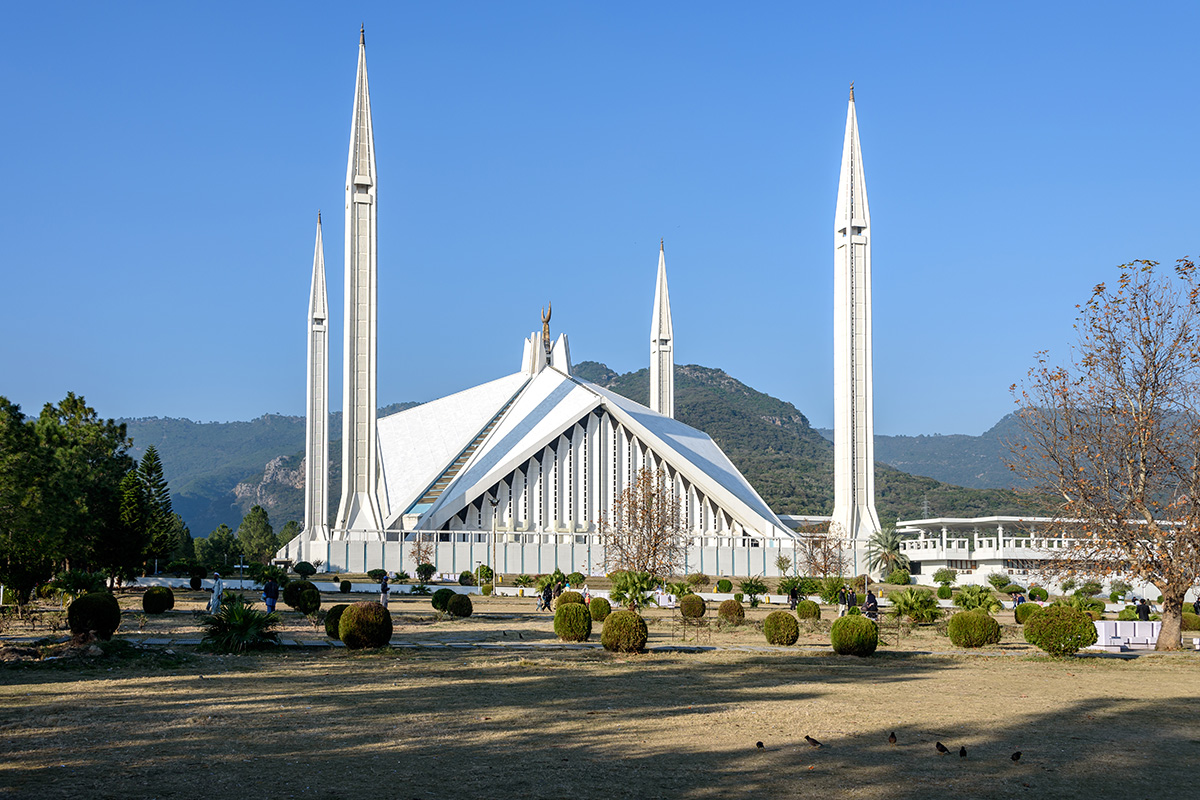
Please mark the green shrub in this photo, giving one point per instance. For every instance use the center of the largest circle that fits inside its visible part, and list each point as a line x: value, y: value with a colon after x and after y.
x: 460, y: 606
x: 998, y: 580
x: 97, y: 612
x: 302, y: 596
x: 724, y: 586
x: 344, y: 587
x: 1128, y: 614
x: 624, y: 632
x: 854, y: 610
x: 484, y: 574
x: 365, y: 625
x: 377, y: 575
x: 198, y: 571
x: 425, y: 572
x: 1013, y: 588
x: 808, y: 609
x: 600, y: 609
x: 698, y: 580
x: 780, y: 627
x: 916, y: 604
x: 830, y: 587
x: 573, y: 622
x: 304, y: 569
x: 1082, y: 602
x: 1038, y: 593
x: 486, y: 590
x: 291, y: 592
x: 752, y: 587
x: 973, y: 629
x: 1091, y: 588
x: 732, y: 611
x: 576, y: 579
x: 333, y: 619
x: 1068, y: 584
x: 466, y: 578
x: 237, y: 627
x: 899, y: 577
x: 1191, y: 622
x: 567, y: 598
x: 177, y: 568
x: 692, y: 606
x: 440, y: 598
x: 195, y: 582
x: 1060, y: 630
x: 944, y: 592
x: 76, y: 582
x: 522, y: 581
x: 1023, y: 612
x: 1115, y: 597
x: 945, y: 575
x: 854, y: 636
x: 971, y: 597
x: 158, y: 599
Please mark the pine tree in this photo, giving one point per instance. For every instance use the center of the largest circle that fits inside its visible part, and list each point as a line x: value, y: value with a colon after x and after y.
x: 256, y: 537
x: 288, y: 532
x: 159, y: 515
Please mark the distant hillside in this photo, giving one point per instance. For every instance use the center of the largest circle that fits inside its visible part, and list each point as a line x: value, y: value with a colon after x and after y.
x: 784, y: 458
x: 205, y: 461
x: 972, y: 461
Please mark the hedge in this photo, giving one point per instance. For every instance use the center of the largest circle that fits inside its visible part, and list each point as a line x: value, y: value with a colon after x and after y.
x: 732, y: 611
x: 624, y: 632
x: 692, y: 606
x: 97, y: 612
x: 600, y: 608
x: 854, y: 636
x: 333, y: 618
x: 973, y: 629
x: 366, y: 624
x: 780, y: 627
x: 158, y: 599
x: 573, y: 622
x: 460, y: 606
x: 1023, y: 612
x: 808, y: 609
x: 1060, y: 630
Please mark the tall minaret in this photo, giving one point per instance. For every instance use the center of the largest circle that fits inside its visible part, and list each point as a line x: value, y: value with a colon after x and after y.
x: 316, y: 429
x: 359, y: 510
x: 854, y: 513
x: 662, y: 348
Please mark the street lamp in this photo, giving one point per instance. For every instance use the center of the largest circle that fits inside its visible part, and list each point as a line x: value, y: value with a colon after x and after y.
x: 495, y: 502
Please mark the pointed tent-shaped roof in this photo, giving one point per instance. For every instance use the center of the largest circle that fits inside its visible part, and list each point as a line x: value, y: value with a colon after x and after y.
x: 660, y: 322
x: 360, y: 167
x: 852, y: 208
x: 318, y: 301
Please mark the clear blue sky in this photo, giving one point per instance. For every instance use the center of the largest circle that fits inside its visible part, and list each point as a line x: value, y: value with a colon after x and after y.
x: 163, y: 165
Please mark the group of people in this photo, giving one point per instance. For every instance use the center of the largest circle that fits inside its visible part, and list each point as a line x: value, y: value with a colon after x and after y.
x: 847, y: 598
x: 551, y: 591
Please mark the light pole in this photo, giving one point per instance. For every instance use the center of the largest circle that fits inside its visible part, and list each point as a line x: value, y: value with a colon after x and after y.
x: 495, y: 502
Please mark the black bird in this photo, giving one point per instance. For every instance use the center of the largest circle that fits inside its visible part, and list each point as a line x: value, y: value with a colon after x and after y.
x: 812, y: 742
x: 962, y: 752
x: 1016, y: 756
x: 892, y: 738
x: 941, y: 748
x: 759, y: 745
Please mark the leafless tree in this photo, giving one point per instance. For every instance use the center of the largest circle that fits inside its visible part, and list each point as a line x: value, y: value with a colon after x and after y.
x: 823, y: 554
x: 644, y: 532
x: 1114, y: 436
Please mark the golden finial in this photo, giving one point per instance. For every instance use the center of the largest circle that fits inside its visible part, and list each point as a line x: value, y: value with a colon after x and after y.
x: 851, y: 91
x: 318, y: 216
x: 362, y: 33
x: 660, y: 245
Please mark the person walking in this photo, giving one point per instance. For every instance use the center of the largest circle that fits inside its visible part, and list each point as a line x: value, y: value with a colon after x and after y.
x: 793, y: 597
x: 871, y: 607
x: 841, y: 601
x: 1143, y: 610
x: 851, y: 599
x: 214, y: 602
x: 270, y: 594
x: 383, y: 591
x: 1196, y: 606
x: 547, y: 597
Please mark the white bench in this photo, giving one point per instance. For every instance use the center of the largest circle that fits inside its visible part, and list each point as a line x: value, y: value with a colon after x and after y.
x: 1118, y: 635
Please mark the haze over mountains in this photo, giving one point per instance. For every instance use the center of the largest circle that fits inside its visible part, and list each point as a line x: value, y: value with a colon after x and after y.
x: 217, y: 471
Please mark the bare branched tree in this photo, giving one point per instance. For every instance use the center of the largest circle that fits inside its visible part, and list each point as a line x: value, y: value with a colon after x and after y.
x: 423, y: 549
x: 644, y: 532
x: 1114, y: 436
x: 823, y: 554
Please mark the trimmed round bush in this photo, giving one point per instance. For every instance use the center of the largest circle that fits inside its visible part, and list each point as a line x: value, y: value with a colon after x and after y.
x: 195, y: 582
x: 344, y: 587
x: 569, y: 597
x: 780, y: 627
x: 854, y: 636
x: 441, y: 598
x: 486, y: 590
x: 366, y: 624
x: 575, y: 579
x: 600, y: 609
x: 1191, y: 622
x: 692, y: 606
x: 899, y: 577
x: 97, y: 612
x: 854, y: 611
x: 624, y: 632
x: 1038, y: 593
x: 1024, y: 611
x: 304, y: 569
x: 333, y: 618
x: 973, y: 629
x: 944, y: 592
x: 808, y: 609
x: 1013, y: 588
x: 1060, y: 630
x: 1127, y: 614
x: 466, y: 578
x: 292, y: 590
x: 460, y: 606
x: 724, y: 586
x: 732, y: 611
x: 158, y: 599
x: 573, y: 622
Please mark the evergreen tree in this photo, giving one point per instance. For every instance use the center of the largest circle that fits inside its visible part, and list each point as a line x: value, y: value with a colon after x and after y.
x: 219, y: 550
x: 183, y: 549
x: 29, y: 548
x: 289, y: 531
x: 159, y: 515
x: 122, y: 550
x: 256, y: 537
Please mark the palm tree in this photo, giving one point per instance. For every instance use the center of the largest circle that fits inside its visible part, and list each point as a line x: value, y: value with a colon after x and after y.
x: 883, y: 551
x: 916, y: 604
x: 972, y: 597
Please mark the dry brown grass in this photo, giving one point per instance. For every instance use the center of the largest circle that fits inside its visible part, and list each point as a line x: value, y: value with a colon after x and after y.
x: 582, y: 724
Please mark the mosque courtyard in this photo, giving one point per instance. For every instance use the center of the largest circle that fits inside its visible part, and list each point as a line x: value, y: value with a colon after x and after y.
x: 490, y: 706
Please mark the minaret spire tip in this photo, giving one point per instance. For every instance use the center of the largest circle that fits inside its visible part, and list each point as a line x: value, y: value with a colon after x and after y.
x: 362, y: 35
x: 660, y: 245
x: 851, y: 91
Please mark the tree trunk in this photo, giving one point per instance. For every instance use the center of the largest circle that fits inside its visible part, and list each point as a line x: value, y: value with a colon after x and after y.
x: 1172, y: 619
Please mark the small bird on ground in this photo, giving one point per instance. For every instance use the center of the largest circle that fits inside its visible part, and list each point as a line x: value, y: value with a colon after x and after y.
x: 759, y: 745
x: 962, y: 752
x: 892, y: 738
x: 1016, y: 756
x: 941, y: 748
x: 812, y: 742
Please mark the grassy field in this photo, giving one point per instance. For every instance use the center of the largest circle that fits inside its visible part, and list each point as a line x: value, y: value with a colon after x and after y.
x: 144, y: 722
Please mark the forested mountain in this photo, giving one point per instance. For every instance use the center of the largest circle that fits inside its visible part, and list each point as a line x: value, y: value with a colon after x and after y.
x: 217, y: 471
